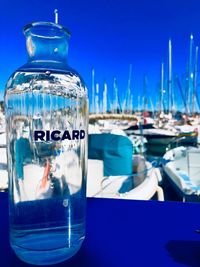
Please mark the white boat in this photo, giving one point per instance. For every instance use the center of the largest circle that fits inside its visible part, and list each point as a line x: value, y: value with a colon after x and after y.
x: 145, y: 181
x: 156, y: 136
x: 159, y: 139
x: 182, y: 167
x: 114, y: 171
x: 187, y: 129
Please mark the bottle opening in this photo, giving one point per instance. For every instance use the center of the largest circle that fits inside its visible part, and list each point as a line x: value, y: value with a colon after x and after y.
x: 46, y: 30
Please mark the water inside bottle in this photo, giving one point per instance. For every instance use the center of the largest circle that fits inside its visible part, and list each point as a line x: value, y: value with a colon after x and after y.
x: 47, y: 133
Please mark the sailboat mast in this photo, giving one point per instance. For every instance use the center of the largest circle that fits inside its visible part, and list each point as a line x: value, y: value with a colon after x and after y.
x: 190, y: 74
x: 179, y: 86
x: 145, y: 94
x: 170, y: 97
x: 161, y: 87
x: 105, y: 98
x: 131, y: 104
x: 195, y: 80
x: 97, y: 99
x: 128, y: 103
x: 116, y: 104
x: 93, y: 90
x: 138, y: 107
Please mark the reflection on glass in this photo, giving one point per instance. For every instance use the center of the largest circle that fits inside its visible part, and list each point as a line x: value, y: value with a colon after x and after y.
x: 52, y: 171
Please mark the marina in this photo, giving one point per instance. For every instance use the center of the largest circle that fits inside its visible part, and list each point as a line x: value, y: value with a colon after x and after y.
x: 164, y: 164
x: 151, y: 148
x: 138, y: 148
x: 156, y: 134
x: 100, y: 133
x: 156, y: 143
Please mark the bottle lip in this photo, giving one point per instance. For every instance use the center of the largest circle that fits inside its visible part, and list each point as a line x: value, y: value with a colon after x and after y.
x: 46, y: 29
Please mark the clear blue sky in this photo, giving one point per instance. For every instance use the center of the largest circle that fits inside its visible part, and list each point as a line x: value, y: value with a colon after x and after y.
x: 107, y: 34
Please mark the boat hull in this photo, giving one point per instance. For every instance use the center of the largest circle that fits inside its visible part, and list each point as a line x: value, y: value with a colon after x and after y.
x: 182, y: 169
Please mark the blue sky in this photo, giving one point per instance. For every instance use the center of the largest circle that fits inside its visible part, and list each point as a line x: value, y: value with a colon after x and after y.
x: 108, y: 35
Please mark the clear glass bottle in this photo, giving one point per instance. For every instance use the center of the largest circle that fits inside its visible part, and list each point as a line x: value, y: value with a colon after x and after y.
x: 47, y: 118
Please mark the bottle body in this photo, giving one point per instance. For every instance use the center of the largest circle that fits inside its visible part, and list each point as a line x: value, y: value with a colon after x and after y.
x: 46, y: 116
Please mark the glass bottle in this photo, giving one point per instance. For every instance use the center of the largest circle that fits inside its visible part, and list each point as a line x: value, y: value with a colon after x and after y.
x: 46, y: 118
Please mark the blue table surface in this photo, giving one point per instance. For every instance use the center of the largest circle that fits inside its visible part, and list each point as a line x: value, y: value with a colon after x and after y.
x: 126, y: 233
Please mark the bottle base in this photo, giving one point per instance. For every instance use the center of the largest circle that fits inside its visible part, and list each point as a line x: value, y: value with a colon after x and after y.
x: 46, y: 247
x: 46, y: 257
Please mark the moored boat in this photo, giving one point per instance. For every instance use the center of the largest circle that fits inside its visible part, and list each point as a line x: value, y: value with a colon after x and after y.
x: 159, y: 139
x: 114, y: 172
x: 182, y: 168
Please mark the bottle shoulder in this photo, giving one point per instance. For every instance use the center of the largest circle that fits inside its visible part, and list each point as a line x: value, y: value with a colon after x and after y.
x: 46, y: 80
x: 45, y: 66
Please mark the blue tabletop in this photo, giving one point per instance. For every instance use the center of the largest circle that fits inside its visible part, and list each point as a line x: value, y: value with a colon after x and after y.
x: 127, y: 233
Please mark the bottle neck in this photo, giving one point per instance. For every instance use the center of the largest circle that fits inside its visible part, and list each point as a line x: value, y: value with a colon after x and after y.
x: 46, y: 43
